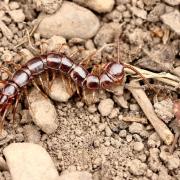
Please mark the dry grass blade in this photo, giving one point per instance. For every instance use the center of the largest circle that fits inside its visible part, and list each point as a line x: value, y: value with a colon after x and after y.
x: 164, y: 77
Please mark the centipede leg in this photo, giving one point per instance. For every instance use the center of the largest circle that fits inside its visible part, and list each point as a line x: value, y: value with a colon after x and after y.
x: 15, y: 107
x: 67, y: 83
x: 53, y: 78
x: 27, y: 98
x: 3, y: 117
x: 37, y: 87
x: 6, y: 70
x: 47, y: 80
x: 17, y: 66
x: 42, y: 83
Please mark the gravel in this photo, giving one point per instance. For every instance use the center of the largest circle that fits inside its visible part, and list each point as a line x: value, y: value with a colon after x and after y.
x: 90, y: 139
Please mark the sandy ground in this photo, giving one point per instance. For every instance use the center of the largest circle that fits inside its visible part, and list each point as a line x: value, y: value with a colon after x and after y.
x: 112, y: 138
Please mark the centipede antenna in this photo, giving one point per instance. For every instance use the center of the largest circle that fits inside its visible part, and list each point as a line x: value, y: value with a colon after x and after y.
x: 137, y: 72
x: 118, y: 50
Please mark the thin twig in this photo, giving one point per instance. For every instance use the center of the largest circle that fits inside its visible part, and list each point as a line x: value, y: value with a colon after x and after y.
x: 145, y: 104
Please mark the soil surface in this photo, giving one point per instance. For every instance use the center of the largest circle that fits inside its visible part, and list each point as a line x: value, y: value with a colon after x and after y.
x: 106, y: 135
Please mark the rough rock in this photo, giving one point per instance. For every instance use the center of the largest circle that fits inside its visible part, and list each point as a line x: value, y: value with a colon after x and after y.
x: 137, y: 128
x: 70, y: 21
x: 106, y: 34
x: 48, y: 6
x: 17, y: 15
x: 55, y: 43
x: 59, y: 91
x: 3, y: 164
x: 28, y: 161
x: 172, y: 19
x: 156, y: 12
x: 76, y: 175
x: 154, y: 140
x: 136, y: 167
x: 99, y: 6
x: 139, y: 12
x: 164, y: 110
x: 153, y: 160
x: 105, y: 107
x: 43, y: 112
x: 138, y: 146
x: 32, y: 134
x: 172, y: 2
x: 171, y: 160
x: 176, y: 71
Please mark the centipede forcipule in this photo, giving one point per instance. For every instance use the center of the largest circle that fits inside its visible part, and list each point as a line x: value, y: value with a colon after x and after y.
x: 113, y: 73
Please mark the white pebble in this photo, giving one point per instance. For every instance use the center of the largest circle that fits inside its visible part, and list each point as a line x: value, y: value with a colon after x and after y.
x: 105, y: 107
x: 17, y: 15
x: 27, y: 161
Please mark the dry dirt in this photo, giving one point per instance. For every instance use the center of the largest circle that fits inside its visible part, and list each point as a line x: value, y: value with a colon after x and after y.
x: 86, y: 140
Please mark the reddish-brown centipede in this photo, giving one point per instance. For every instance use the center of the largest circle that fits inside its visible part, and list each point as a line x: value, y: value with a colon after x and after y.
x: 113, y: 72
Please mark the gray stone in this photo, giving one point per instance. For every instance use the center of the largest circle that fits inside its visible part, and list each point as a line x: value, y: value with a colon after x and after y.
x: 70, y: 21
x: 43, y: 112
x: 172, y: 19
x: 76, y: 175
x: 172, y: 2
x: 136, y: 167
x: 99, y: 6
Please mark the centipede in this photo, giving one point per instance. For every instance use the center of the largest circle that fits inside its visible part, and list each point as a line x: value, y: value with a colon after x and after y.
x: 17, y: 84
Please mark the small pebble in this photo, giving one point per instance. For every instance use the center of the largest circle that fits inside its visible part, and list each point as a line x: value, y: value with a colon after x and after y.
x: 105, y: 107
x: 138, y: 146
x: 76, y: 175
x: 92, y: 108
x: 32, y: 134
x: 172, y: 20
x: 137, y: 168
x: 123, y: 133
x: 108, y: 131
x: 17, y: 15
x: 129, y: 138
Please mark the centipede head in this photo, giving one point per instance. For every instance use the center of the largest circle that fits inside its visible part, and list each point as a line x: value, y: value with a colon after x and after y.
x: 115, y: 71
